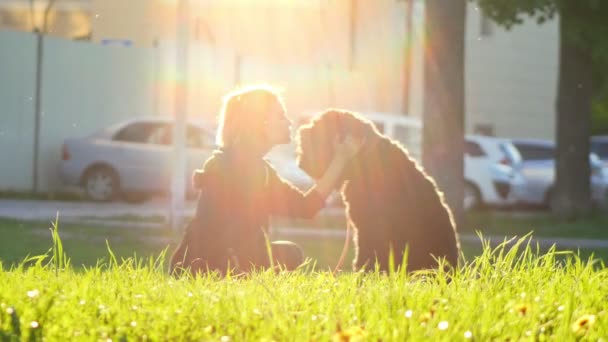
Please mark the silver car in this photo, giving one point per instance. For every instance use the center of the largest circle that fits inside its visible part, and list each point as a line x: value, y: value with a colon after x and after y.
x: 131, y: 159
x: 538, y: 168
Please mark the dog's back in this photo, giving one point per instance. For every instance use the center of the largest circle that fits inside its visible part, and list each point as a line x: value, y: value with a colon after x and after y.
x: 393, y: 203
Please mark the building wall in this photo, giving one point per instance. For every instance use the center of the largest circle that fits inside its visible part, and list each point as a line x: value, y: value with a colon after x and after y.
x: 67, y: 18
x: 307, y: 48
x: 142, y: 22
x: 85, y: 87
x: 511, y: 82
x: 17, y: 75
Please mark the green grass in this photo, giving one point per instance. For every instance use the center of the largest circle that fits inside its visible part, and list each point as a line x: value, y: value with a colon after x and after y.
x: 540, y: 223
x: 85, y: 243
x: 507, y: 293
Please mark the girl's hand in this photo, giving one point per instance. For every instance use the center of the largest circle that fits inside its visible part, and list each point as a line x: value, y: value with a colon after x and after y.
x: 348, y: 148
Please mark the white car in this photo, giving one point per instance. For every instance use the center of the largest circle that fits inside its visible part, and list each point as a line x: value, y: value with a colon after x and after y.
x: 538, y: 168
x: 492, y: 172
x: 131, y: 159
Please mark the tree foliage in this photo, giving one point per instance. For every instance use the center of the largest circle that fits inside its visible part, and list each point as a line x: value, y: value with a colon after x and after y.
x: 587, y: 24
x: 583, y: 72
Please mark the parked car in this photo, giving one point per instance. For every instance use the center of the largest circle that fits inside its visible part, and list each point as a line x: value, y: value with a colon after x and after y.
x: 283, y: 160
x: 405, y: 129
x: 132, y: 159
x: 599, y: 146
x: 491, y: 172
x: 538, y: 168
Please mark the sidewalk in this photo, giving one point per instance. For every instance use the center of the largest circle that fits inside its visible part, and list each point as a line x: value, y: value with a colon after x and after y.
x: 48, y: 210
x: 153, y: 215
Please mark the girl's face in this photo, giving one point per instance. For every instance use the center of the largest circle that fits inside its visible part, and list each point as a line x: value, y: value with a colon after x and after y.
x: 277, y: 126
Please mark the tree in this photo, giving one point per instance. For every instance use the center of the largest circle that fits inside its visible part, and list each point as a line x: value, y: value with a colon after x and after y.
x: 45, y: 16
x: 443, y: 129
x: 583, y: 52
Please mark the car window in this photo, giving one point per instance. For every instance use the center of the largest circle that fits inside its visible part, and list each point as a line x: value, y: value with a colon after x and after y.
x: 510, y: 152
x: 472, y: 149
x: 199, y: 138
x: 161, y: 135
x: 535, y: 152
x: 600, y: 148
x: 138, y: 132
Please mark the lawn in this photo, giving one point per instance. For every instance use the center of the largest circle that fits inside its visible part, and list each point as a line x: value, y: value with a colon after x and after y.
x: 86, y: 243
x: 504, y: 294
x: 542, y: 224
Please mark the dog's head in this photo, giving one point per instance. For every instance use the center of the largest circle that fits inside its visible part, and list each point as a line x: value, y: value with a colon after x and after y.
x: 316, y: 139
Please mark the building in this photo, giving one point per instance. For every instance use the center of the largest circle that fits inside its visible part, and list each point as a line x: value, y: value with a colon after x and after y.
x: 69, y: 19
x: 355, y: 50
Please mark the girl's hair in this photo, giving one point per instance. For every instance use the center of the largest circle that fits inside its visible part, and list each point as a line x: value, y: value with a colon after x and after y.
x: 244, y: 113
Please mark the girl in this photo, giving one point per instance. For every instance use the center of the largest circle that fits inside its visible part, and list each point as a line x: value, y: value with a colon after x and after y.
x: 239, y: 190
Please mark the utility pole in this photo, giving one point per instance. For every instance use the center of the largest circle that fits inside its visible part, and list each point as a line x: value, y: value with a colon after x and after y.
x: 178, y: 183
x: 40, y: 32
x: 407, y: 53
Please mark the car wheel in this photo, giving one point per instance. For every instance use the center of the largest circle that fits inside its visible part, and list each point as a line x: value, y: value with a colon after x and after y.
x: 101, y: 184
x: 472, y: 197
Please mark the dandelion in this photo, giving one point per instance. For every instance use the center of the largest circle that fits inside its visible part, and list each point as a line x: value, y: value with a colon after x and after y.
x: 408, y: 314
x: 424, y: 318
x: 522, y: 309
x: 133, y: 324
x: 33, y: 293
x: 10, y: 311
x: 443, y: 325
x: 354, y: 333
x: 34, y: 325
x: 560, y: 308
x: 225, y: 339
x: 583, y: 324
x: 468, y: 334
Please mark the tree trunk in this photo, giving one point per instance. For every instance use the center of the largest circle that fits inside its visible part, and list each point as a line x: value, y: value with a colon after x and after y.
x: 444, y: 102
x: 572, y: 189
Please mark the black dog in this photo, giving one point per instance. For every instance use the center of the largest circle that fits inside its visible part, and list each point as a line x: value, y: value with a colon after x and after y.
x: 390, y: 200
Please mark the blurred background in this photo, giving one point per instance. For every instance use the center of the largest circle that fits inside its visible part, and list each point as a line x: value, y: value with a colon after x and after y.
x: 88, y: 99
x: 109, y: 60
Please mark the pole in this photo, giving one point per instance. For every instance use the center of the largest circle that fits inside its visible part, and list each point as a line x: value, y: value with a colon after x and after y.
x: 37, y: 109
x: 407, y: 65
x: 178, y: 183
